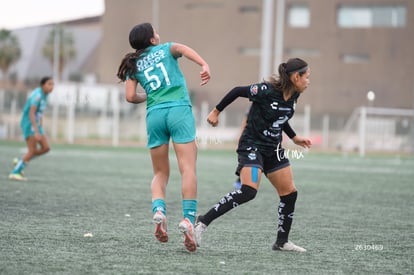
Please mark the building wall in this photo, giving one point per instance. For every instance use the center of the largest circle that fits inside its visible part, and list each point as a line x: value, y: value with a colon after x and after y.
x: 223, y: 31
x: 338, y: 87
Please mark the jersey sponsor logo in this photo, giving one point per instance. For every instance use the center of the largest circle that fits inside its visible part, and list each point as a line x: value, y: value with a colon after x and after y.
x: 268, y: 133
x: 274, y: 105
x: 254, y: 89
x: 150, y: 60
x: 263, y: 87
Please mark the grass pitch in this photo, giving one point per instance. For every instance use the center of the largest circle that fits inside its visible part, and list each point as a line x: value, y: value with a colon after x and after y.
x: 354, y: 215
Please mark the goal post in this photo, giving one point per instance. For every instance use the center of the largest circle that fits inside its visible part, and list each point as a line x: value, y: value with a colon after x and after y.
x: 379, y: 130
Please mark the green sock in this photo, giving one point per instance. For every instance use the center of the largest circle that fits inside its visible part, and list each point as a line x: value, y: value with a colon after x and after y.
x: 159, y: 205
x: 190, y: 209
x: 19, y: 167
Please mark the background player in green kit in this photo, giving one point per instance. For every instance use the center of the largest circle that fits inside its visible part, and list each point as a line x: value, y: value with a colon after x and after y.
x: 259, y: 150
x: 31, y: 125
x: 169, y: 115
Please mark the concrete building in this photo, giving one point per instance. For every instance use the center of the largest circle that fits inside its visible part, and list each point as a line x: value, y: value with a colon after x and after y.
x: 352, y: 46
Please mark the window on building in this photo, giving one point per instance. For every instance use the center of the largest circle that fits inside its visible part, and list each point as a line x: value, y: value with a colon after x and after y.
x: 305, y: 52
x: 371, y: 16
x: 249, y: 9
x: 204, y: 5
x: 299, y: 16
x: 249, y: 51
x: 351, y: 58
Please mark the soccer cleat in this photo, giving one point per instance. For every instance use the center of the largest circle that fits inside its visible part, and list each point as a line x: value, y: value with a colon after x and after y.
x: 187, y: 228
x: 17, y: 176
x: 160, y: 227
x: 199, y: 229
x: 288, y: 246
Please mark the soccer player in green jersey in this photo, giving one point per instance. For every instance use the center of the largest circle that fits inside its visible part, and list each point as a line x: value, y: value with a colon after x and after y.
x: 31, y: 125
x: 259, y: 150
x: 155, y: 67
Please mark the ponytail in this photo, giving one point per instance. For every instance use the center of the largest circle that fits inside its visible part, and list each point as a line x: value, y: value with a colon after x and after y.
x: 282, y: 82
x: 139, y: 38
x: 128, y: 67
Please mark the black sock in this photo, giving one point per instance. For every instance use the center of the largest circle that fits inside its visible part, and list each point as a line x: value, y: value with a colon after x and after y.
x: 228, y: 202
x: 285, y: 217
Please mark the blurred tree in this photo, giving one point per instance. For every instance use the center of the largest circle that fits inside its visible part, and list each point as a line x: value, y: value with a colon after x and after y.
x: 67, y: 50
x: 9, y: 51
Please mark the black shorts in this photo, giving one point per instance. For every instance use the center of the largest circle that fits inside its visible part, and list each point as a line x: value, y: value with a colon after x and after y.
x: 267, y: 161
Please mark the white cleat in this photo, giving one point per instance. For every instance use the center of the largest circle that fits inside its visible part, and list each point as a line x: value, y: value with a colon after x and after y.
x: 186, y: 227
x: 199, y: 229
x: 160, y: 222
x: 288, y: 246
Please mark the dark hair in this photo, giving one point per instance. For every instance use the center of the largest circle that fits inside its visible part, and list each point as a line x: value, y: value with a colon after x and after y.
x: 44, y: 80
x: 139, y: 39
x: 282, y: 82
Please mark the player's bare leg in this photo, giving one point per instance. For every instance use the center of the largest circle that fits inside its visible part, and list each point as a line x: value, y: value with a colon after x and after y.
x: 187, y: 157
x: 36, y: 146
x: 161, y: 168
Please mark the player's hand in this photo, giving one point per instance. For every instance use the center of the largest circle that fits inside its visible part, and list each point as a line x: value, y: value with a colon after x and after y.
x: 212, y: 118
x: 37, y: 136
x: 205, y: 74
x: 302, y: 141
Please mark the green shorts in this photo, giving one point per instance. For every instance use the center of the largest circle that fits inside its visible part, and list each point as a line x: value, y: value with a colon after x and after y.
x: 175, y: 122
x: 28, y: 131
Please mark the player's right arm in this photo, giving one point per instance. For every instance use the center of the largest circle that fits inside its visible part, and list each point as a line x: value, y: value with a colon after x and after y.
x: 131, y: 94
x: 227, y: 99
x: 178, y: 50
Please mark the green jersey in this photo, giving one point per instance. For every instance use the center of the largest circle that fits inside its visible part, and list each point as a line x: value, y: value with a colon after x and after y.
x: 37, y: 98
x: 159, y: 74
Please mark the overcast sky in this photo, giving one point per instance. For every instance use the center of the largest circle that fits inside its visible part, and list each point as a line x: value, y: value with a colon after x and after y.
x: 25, y: 13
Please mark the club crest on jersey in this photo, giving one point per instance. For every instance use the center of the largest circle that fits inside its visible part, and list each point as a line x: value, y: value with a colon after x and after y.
x: 254, y: 89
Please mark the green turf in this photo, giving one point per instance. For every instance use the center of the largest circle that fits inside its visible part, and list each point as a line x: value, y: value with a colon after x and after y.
x: 348, y: 209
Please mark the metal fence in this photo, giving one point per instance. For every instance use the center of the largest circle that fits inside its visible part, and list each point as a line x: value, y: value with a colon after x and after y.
x: 81, y: 113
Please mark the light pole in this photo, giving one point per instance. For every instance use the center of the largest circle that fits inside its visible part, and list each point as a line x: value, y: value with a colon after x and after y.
x: 280, y: 25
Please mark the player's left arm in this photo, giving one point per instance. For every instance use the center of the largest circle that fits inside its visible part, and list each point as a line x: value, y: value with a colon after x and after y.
x: 131, y: 94
x: 301, y: 141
